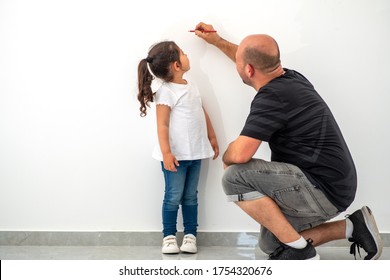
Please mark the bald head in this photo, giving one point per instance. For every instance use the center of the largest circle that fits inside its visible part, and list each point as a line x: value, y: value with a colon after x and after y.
x: 261, y: 51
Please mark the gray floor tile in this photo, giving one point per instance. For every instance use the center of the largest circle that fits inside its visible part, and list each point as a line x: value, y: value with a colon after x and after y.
x: 154, y: 253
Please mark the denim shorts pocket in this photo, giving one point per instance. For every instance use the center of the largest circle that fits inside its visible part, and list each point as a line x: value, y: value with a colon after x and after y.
x: 293, y: 202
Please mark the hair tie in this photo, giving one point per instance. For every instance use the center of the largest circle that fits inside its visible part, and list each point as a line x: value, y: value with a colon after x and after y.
x: 149, y: 59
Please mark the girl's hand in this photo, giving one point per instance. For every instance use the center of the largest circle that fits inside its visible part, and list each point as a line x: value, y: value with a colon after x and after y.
x: 170, y: 162
x: 214, y: 145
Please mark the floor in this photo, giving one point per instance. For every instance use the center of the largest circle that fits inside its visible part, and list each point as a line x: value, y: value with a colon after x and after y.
x: 154, y: 253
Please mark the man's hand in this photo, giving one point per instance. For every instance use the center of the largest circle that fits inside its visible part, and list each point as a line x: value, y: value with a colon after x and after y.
x: 213, y: 38
x: 209, y: 37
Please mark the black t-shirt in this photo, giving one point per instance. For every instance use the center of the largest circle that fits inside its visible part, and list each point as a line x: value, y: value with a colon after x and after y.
x: 290, y: 115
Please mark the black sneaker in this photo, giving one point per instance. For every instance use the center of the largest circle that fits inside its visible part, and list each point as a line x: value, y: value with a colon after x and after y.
x: 285, y: 252
x: 365, y: 234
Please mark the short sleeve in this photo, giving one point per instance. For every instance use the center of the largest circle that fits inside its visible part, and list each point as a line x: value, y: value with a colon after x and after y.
x: 164, y: 96
x: 266, y: 116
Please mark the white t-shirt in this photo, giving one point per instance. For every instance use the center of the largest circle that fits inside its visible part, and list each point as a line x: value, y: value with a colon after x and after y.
x: 187, y: 125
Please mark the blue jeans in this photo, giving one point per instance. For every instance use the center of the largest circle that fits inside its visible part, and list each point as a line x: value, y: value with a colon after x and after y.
x: 303, y: 205
x: 181, y: 188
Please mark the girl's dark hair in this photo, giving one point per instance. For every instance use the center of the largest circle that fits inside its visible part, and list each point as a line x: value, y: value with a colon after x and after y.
x: 160, y: 58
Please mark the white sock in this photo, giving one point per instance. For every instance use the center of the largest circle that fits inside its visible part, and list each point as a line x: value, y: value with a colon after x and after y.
x: 298, y: 244
x: 348, y: 228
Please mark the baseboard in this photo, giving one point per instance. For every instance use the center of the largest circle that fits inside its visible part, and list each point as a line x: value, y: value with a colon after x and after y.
x: 59, y: 238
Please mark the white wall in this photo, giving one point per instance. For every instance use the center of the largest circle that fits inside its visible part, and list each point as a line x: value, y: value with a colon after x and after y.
x: 76, y: 156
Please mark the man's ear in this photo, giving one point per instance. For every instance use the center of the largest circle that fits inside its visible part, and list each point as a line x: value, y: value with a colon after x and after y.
x: 249, y: 70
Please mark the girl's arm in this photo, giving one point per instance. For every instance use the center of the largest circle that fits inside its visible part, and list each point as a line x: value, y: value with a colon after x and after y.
x: 163, y: 113
x: 211, y: 135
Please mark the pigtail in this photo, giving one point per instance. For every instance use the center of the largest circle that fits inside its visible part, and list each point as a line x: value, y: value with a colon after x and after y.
x: 145, y: 93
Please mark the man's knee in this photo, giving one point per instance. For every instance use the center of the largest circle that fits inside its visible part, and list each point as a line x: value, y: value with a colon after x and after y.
x: 229, y: 179
x: 236, y: 186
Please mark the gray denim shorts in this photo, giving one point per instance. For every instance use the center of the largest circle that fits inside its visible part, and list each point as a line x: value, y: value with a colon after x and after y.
x: 304, y: 205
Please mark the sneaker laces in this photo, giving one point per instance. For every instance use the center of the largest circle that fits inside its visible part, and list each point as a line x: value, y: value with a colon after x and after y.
x: 355, y: 246
x: 169, y: 241
x: 283, y: 247
x: 188, y: 239
x: 278, y: 250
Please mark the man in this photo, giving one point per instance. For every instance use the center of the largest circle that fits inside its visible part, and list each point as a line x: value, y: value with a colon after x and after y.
x: 311, y: 177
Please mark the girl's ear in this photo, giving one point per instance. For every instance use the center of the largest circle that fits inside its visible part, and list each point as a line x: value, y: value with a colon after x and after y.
x: 176, y: 66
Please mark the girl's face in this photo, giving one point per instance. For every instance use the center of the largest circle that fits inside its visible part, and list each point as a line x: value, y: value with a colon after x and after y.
x: 185, y: 63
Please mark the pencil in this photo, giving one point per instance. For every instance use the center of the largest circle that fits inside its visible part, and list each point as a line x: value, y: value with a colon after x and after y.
x: 205, y: 31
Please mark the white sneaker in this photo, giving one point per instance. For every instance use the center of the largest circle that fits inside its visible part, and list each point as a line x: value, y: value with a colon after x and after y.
x: 169, y: 245
x: 189, y: 244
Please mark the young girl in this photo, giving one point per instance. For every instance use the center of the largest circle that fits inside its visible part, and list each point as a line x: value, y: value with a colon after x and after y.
x: 185, y: 137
